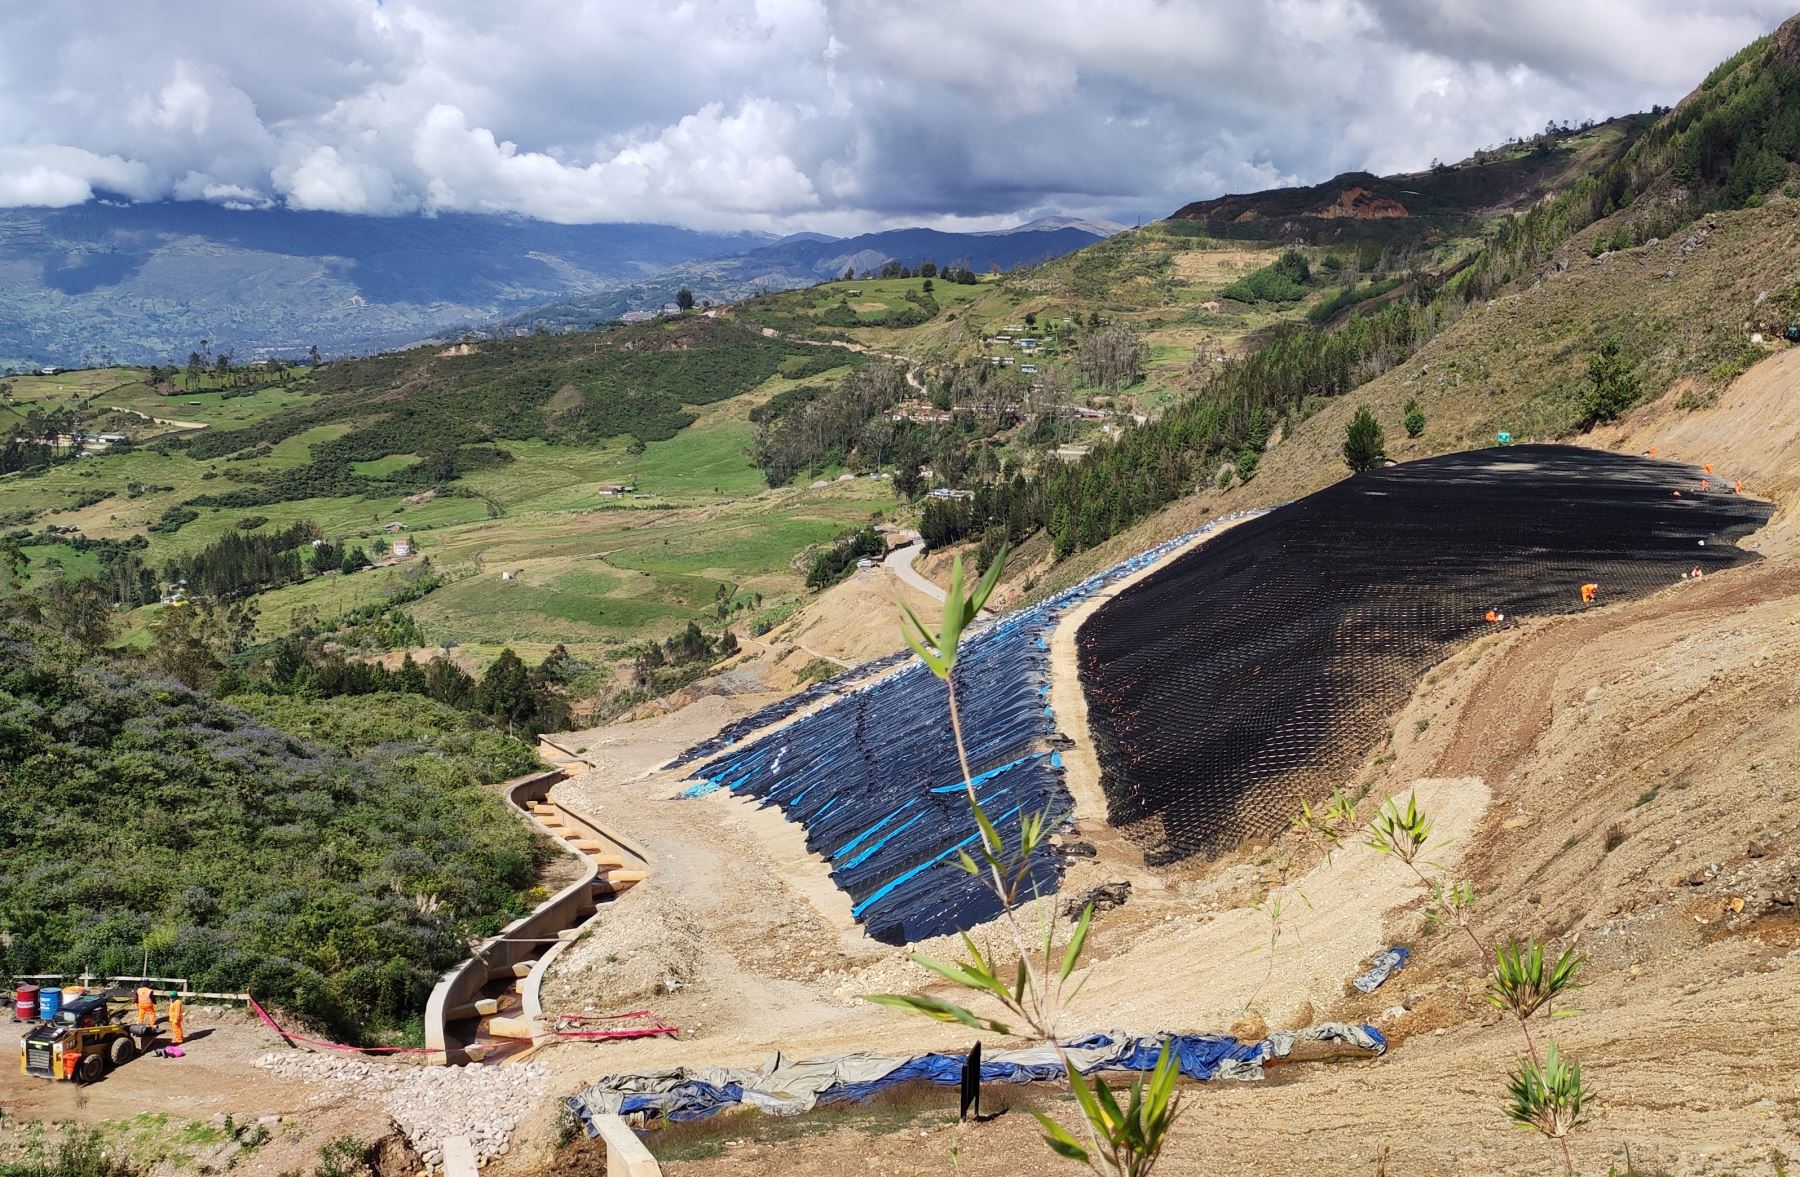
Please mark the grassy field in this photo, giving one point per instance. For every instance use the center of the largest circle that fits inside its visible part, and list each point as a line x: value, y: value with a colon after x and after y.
x: 593, y: 571
x: 125, y: 389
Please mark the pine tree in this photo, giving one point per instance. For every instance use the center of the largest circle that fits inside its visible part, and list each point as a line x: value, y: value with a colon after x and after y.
x: 1364, y: 442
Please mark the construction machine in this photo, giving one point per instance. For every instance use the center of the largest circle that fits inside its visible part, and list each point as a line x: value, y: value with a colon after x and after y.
x: 82, y: 1042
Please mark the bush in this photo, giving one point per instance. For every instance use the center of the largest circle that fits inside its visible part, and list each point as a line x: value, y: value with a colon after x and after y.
x: 1414, y: 419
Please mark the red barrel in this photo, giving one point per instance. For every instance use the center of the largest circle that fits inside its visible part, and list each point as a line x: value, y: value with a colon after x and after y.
x: 25, y: 1003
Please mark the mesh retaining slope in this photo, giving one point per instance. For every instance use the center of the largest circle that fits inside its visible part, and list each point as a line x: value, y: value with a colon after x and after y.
x: 1263, y: 667
x: 874, y: 777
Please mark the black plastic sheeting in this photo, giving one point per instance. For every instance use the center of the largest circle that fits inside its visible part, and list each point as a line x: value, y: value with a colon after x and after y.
x: 874, y: 776
x: 1263, y: 667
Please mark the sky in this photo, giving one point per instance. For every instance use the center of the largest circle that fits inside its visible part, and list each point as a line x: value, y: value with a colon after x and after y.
x: 835, y: 116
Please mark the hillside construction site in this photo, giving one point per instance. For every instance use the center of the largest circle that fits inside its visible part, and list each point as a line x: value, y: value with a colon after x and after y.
x: 1612, y: 770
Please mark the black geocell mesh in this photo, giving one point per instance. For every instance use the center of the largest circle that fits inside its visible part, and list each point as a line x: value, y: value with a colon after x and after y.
x: 1262, y: 667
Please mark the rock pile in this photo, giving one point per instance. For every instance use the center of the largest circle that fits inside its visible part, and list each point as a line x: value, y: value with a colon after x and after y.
x: 429, y: 1104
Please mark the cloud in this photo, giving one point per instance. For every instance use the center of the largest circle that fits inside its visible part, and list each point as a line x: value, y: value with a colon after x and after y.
x: 56, y: 176
x: 710, y: 168
x: 789, y: 114
x: 324, y: 181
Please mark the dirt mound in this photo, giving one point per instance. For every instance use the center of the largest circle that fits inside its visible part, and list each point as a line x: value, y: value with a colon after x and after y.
x: 635, y: 950
x: 1358, y: 202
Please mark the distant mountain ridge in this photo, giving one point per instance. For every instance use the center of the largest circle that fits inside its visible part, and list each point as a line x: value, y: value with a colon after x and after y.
x: 806, y: 259
x: 146, y: 282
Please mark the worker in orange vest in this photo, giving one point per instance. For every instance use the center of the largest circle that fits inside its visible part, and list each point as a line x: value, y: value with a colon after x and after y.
x: 146, y: 1003
x: 1494, y: 616
x: 1587, y: 593
x: 1651, y: 452
x: 176, y: 1009
x: 1737, y: 488
x: 1707, y: 468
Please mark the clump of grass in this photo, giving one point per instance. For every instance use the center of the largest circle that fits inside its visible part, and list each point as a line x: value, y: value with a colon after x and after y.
x: 1647, y: 796
x: 1615, y: 837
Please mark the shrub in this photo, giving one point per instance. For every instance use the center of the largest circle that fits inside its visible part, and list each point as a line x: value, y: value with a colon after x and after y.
x: 1414, y: 419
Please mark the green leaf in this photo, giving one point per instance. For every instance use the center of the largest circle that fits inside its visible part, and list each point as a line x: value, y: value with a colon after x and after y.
x: 990, y: 837
x: 952, y: 972
x: 1072, y: 954
x: 926, y: 645
x: 1090, y: 1110
x: 1060, y: 1140
x: 937, y: 1010
x: 985, y: 589
x: 953, y: 612
x: 1109, y: 1106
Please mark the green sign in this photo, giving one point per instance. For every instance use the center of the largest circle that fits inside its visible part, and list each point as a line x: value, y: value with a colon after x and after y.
x: 1503, y: 438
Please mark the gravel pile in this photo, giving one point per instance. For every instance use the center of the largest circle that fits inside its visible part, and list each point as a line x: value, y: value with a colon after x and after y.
x: 430, y: 1104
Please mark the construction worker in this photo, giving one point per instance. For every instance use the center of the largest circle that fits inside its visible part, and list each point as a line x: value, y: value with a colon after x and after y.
x: 146, y: 1003
x: 1707, y: 468
x: 1705, y: 484
x: 1494, y: 617
x: 175, y: 1013
x: 1737, y: 488
x: 1587, y: 593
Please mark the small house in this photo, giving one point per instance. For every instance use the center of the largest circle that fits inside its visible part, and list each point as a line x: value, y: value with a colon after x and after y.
x: 510, y: 574
x: 394, y: 525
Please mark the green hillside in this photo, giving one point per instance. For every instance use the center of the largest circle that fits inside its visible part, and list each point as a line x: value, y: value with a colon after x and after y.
x: 330, y: 857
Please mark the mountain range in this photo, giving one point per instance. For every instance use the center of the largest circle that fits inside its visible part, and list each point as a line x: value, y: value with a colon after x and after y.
x: 145, y: 282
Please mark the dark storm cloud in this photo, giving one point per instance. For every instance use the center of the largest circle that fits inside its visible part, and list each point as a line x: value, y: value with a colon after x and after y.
x: 785, y: 114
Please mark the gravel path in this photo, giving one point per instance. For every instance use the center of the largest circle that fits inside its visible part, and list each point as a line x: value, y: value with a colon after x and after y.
x: 429, y: 1104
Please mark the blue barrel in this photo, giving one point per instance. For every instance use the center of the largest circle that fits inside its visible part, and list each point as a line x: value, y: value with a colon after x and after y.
x: 49, y: 1001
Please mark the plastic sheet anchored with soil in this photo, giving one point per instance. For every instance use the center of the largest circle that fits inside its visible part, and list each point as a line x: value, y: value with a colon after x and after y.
x: 1262, y: 667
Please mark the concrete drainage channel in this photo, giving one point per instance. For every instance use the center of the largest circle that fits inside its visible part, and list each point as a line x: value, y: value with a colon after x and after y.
x: 490, y: 1009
